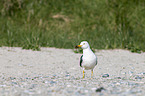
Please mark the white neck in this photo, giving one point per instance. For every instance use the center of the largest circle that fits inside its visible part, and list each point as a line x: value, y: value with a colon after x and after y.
x: 87, y: 51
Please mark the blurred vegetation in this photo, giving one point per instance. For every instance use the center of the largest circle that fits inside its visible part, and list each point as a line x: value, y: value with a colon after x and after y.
x: 105, y: 24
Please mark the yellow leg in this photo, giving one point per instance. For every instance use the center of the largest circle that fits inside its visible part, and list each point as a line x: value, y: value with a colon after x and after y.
x: 91, y: 74
x: 83, y: 74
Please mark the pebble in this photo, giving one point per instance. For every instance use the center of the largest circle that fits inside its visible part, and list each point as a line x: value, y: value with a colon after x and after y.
x: 99, y: 89
x: 52, y: 82
x: 67, y: 75
x: 12, y: 78
x: 142, y: 73
x: 130, y: 73
x: 27, y: 78
x: 117, y: 77
x: 46, y: 81
x: 21, y: 64
x: 14, y: 83
x: 137, y: 77
x: 35, y: 77
x: 105, y: 75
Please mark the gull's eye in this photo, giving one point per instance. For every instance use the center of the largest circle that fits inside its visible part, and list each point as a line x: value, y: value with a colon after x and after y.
x: 83, y: 43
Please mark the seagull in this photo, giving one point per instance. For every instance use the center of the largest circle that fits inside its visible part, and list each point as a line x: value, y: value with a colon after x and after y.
x: 88, y: 60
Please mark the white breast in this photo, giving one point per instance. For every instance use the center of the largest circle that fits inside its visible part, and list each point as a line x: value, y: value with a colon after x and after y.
x: 89, y: 59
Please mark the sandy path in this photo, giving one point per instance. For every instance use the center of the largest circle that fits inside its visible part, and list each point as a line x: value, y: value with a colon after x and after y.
x: 56, y: 67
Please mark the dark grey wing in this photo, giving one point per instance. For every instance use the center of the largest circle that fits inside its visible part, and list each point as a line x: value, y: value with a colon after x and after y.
x: 81, y: 60
x: 96, y: 60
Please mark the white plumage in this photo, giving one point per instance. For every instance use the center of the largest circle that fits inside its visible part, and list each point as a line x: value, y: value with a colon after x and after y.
x: 88, y: 60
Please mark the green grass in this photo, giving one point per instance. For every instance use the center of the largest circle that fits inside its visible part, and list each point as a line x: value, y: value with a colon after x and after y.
x: 105, y: 24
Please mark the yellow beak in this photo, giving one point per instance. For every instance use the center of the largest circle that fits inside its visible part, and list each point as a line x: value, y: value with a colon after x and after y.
x: 78, y: 46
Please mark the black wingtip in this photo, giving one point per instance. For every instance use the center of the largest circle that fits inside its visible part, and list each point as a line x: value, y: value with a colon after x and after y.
x: 81, y: 60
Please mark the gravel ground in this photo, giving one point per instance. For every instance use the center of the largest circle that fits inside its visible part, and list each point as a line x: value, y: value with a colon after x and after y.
x: 56, y: 72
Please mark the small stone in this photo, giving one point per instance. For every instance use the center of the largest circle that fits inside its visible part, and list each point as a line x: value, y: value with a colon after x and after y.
x: 67, y: 75
x: 14, y: 83
x: 27, y: 78
x: 130, y: 72
x: 35, y: 77
x: 138, y: 77
x: 12, y: 78
x: 117, y: 77
x: 105, y: 75
x: 21, y: 64
x: 99, y: 89
x: 142, y: 73
x: 52, y: 82
x: 46, y: 81
x: 117, y: 83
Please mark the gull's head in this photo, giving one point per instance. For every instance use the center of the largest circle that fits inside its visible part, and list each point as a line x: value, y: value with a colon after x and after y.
x: 83, y: 45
